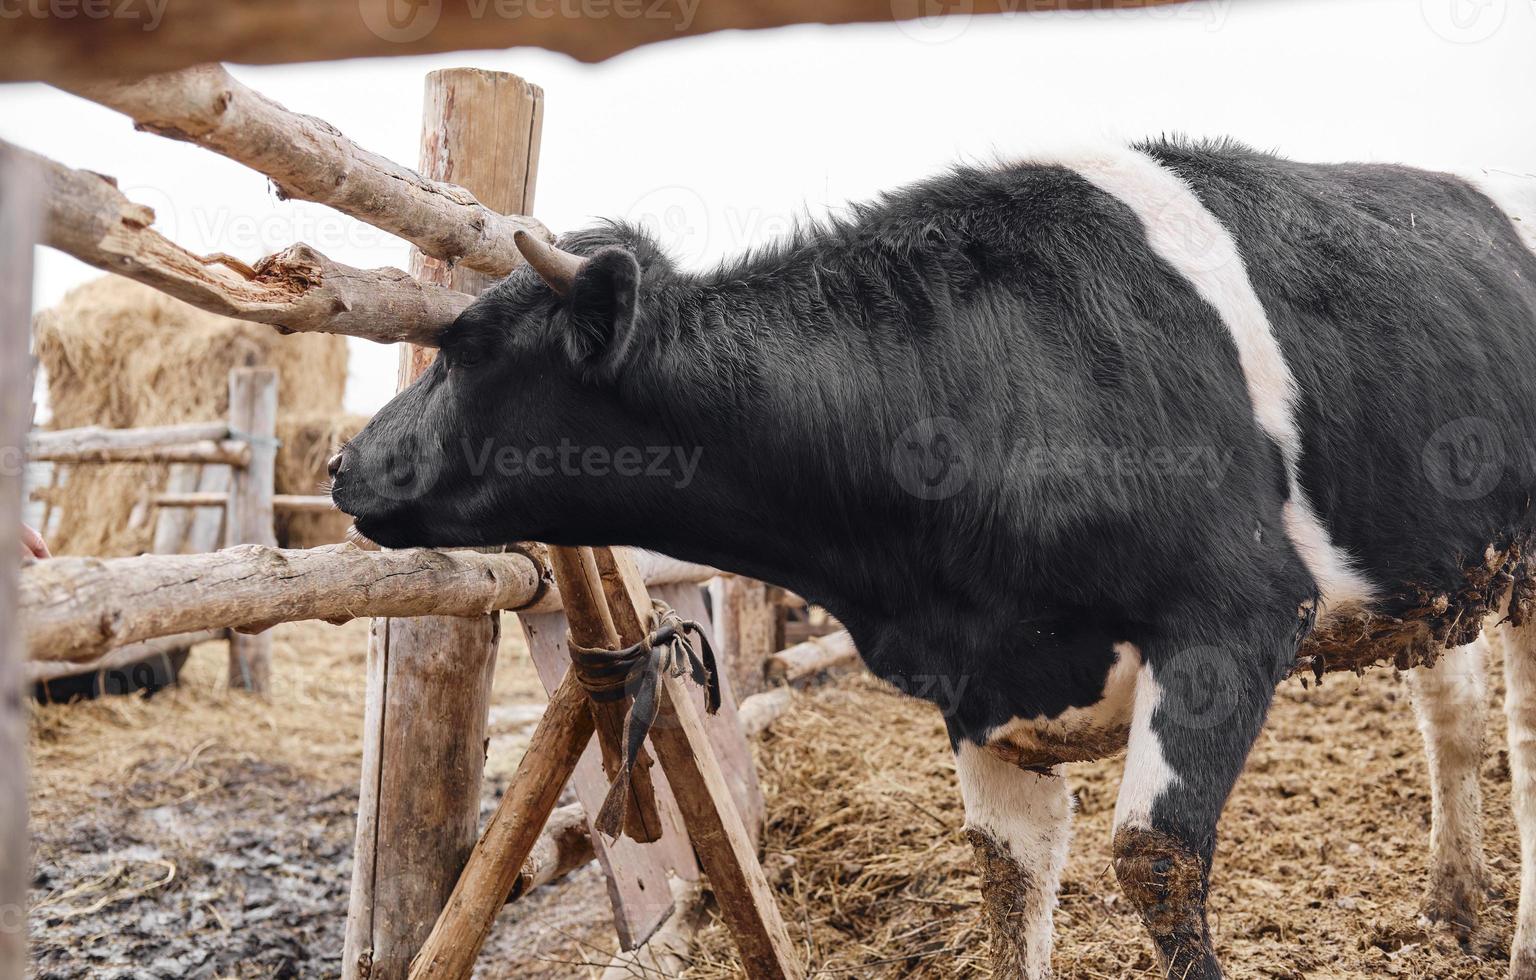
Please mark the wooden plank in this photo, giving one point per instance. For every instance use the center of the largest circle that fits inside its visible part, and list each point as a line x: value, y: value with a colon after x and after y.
x: 479, y: 130
x: 253, y: 420
x: 189, y: 499
x: 19, y: 195
x: 814, y: 656
x: 499, y: 855
x: 44, y: 670
x: 636, y: 873
x: 702, y: 789
x: 724, y: 726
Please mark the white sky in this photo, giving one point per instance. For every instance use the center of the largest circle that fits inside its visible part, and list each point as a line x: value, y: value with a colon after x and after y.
x: 721, y: 140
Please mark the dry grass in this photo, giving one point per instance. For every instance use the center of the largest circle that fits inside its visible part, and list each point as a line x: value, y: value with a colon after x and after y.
x: 140, y: 807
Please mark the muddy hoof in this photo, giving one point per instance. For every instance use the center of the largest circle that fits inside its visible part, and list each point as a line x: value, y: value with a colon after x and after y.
x: 1454, y: 906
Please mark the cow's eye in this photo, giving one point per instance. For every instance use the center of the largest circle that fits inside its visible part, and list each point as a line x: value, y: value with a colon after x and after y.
x: 466, y: 357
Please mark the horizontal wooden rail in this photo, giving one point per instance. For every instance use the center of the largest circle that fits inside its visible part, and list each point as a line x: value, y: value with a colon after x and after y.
x: 191, y: 498
x: 302, y: 503
x: 230, y: 452
x: 96, y: 437
x: 297, y: 290
x: 814, y: 656
x: 78, y: 608
x: 48, y: 670
x: 136, y: 39
x: 308, y: 160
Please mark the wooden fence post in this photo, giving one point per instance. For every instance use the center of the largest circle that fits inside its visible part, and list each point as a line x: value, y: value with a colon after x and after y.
x: 18, y: 232
x: 253, y: 417
x: 429, y: 679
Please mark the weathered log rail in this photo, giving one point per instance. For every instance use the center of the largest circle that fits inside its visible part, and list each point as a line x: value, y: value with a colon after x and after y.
x: 309, y: 160
x: 75, y: 609
x: 297, y: 290
x: 145, y: 38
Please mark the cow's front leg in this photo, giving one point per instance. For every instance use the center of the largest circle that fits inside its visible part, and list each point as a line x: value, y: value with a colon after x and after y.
x: 1019, y: 821
x: 1198, y: 709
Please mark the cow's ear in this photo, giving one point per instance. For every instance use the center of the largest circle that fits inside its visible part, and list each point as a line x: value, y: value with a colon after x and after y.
x: 603, y: 305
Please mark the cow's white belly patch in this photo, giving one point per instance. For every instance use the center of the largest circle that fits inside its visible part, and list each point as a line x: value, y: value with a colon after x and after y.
x: 1082, y: 734
x: 1186, y: 235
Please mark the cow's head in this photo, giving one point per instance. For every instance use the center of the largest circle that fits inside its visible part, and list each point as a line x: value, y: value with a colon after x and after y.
x: 526, y: 426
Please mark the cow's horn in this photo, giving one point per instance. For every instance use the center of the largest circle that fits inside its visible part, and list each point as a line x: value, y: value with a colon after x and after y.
x: 557, y: 268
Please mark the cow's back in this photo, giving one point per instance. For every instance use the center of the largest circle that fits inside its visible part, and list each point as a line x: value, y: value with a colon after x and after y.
x: 1405, y: 305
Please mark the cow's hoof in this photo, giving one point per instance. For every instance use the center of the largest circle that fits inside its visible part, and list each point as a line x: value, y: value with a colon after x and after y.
x: 1458, y: 912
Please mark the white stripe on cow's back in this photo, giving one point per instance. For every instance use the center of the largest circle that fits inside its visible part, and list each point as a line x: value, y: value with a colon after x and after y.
x: 1186, y: 235
x: 1513, y: 193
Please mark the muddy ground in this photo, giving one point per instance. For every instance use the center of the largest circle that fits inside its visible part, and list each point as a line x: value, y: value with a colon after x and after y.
x: 203, y: 833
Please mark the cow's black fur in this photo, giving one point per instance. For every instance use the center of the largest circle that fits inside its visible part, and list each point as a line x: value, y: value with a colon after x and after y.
x: 1025, y: 309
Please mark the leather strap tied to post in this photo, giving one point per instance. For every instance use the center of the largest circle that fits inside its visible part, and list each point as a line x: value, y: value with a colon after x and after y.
x: 613, y: 675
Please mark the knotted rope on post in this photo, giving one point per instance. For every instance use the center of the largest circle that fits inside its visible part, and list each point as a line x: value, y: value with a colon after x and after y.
x: 612, y: 675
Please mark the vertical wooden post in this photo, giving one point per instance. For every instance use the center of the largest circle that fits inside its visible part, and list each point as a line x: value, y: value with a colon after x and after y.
x: 253, y: 416
x: 746, y: 620
x: 429, y: 678
x: 19, y: 193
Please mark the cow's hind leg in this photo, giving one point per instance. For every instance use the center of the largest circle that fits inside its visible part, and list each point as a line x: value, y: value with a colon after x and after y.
x: 1198, y: 708
x: 1451, y: 702
x: 1019, y: 821
x: 1520, y: 710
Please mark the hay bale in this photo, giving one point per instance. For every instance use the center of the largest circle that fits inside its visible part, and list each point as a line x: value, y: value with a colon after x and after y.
x: 120, y: 354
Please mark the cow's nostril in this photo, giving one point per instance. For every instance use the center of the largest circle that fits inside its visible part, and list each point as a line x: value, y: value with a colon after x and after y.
x: 333, y: 465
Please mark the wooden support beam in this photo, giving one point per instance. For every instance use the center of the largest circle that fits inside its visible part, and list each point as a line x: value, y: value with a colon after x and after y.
x: 715, y: 826
x: 429, y: 681
x: 296, y: 290
x: 499, y: 857
x: 591, y: 625
x: 308, y: 160
x: 190, y: 498
x: 253, y: 419
x: 178, y: 33
x: 76, y: 609
x: 20, y: 187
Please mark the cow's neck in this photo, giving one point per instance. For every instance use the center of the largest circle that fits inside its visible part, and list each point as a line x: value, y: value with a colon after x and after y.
x: 786, y: 396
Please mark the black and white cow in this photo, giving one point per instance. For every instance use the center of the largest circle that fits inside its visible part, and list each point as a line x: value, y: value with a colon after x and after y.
x: 1086, y: 449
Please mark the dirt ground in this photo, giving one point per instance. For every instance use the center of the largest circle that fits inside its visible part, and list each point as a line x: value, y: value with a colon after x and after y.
x: 203, y: 833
